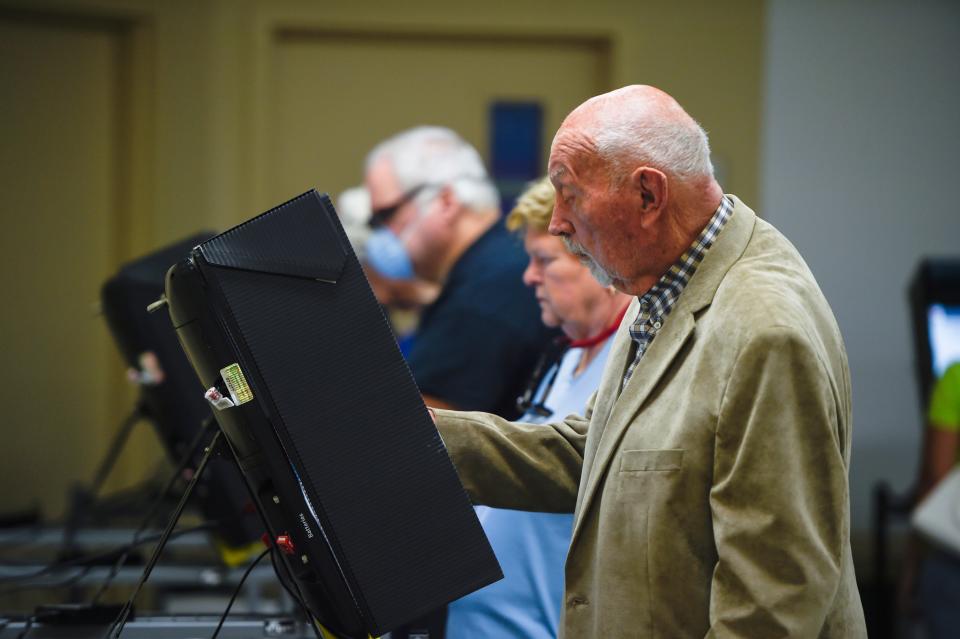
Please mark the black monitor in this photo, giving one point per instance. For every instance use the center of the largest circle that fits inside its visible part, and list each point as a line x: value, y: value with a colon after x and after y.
x: 168, y: 399
x: 326, y: 422
x: 935, y: 309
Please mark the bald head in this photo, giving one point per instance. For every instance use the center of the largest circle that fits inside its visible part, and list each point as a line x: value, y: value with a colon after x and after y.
x: 634, y: 183
x: 639, y: 99
x: 638, y: 125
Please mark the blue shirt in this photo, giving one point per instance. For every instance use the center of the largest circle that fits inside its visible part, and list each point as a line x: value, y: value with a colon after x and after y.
x: 532, y: 547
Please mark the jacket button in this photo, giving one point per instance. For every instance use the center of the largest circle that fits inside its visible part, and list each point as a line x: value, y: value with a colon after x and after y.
x: 576, y: 601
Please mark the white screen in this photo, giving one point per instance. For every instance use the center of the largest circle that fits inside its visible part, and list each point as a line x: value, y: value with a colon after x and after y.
x: 944, y: 325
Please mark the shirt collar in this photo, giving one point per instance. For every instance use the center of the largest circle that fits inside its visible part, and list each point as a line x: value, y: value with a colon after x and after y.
x: 663, y: 295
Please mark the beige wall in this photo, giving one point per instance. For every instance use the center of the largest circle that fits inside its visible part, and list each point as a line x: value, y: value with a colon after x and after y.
x: 321, y: 120
x: 207, y: 97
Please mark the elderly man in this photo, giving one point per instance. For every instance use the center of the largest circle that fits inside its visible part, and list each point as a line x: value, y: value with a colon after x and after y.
x: 436, y: 216
x: 709, y: 475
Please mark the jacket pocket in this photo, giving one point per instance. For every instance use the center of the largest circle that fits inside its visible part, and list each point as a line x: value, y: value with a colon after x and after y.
x: 643, y: 461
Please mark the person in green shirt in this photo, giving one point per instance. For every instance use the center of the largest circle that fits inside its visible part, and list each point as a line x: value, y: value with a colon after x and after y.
x: 936, y: 572
x: 944, y: 432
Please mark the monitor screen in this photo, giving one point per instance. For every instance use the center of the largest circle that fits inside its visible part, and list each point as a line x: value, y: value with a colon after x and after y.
x: 943, y: 324
x: 934, y: 296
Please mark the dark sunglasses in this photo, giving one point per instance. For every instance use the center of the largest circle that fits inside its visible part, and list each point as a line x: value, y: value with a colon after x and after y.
x: 380, y: 217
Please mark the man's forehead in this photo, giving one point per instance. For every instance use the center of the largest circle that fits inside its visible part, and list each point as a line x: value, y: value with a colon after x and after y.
x: 381, y: 180
x: 568, y: 153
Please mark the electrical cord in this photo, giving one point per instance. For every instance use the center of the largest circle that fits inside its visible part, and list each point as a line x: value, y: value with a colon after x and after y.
x: 20, y: 536
x: 28, y: 621
x: 294, y: 592
x: 93, y: 559
x: 83, y: 506
x: 188, y: 455
x: 237, y: 590
x: 26, y: 628
x: 65, y: 583
x: 117, y: 626
x: 83, y: 501
x: 137, y: 415
x: 283, y: 582
x: 6, y: 621
x: 159, y: 500
x: 12, y: 540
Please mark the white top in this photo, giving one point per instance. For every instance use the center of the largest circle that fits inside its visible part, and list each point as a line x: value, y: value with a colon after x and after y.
x: 531, y: 547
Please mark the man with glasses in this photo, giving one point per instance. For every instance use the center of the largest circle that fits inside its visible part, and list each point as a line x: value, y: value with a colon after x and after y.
x: 436, y: 217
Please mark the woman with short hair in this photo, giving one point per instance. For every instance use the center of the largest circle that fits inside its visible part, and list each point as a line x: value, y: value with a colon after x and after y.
x: 532, y: 547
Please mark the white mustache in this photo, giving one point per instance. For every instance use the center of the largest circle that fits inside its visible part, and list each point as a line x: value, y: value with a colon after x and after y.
x: 598, y: 272
x: 574, y: 247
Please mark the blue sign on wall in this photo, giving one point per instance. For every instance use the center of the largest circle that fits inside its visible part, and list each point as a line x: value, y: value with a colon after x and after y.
x: 516, y: 137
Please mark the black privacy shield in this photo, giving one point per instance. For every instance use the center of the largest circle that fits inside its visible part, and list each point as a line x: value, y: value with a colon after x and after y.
x: 173, y: 404
x: 326, y: 371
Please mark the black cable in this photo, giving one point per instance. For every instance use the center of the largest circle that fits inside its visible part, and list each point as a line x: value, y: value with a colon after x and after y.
x: 125, y: 501
x: 93, y: 559
x: 294, y: 593
x: 122, y: 500
x: 117, y: 626
x: 26, y: 628
x: 237, y: 590
x: 83, y: 502
x: 116, y: 447
x: 6, y: 621
x: 21, y: 536
x: 155, y: 507
x: 280, y: 578
x: 65, y: 583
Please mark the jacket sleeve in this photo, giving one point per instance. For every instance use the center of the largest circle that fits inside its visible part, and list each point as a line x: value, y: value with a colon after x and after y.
x: 779, y: 498
x: 514, y: 465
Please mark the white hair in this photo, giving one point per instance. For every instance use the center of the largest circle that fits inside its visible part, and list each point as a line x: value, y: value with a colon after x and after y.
x: 677, y: 146
x: 353, y: 207
x: 436, y: 156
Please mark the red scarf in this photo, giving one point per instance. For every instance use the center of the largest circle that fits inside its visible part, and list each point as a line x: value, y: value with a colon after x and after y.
x: 603, y: 335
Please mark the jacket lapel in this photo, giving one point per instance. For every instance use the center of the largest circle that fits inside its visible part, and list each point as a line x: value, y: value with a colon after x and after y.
x: 616, y: 414
x: 645, y: 378
x: 604, y: 403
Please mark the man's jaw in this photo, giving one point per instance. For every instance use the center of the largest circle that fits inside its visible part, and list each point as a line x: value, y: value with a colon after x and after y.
x: 598, y: 272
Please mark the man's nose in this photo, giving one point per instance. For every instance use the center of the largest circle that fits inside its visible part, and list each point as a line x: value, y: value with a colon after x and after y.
x: 559, y: 225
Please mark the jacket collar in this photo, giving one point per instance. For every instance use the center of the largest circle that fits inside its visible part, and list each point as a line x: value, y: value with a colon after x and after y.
x: 613, y: 414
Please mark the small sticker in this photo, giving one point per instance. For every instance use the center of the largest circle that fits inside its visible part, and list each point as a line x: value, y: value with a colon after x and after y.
x: 237, y: 384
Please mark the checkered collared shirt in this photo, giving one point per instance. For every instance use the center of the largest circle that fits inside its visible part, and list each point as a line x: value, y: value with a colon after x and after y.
x: 657, y: 303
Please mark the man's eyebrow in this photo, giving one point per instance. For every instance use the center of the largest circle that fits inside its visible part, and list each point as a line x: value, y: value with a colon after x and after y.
x: 557, y: 173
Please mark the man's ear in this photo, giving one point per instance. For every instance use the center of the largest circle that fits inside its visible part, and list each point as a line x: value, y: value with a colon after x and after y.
x: 651, y: 186
x: 448, y: 205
